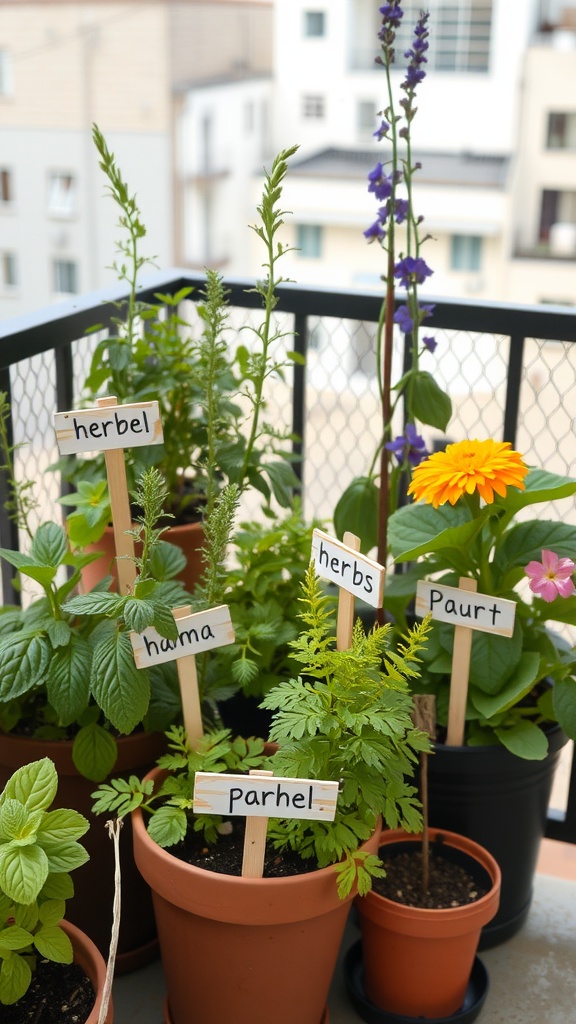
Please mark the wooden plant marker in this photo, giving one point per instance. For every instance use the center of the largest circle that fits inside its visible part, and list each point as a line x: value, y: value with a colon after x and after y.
x: 96, y: 429
x: 466, y: 613
x: 257, y: 797
x: 424, y: 718
x: 356, y: 575
x: 197, y: 632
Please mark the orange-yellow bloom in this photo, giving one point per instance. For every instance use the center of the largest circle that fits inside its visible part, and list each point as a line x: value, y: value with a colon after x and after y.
x: 468, y: 466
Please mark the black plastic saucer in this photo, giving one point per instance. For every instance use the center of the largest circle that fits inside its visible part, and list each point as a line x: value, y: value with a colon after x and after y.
x: 354, y: 973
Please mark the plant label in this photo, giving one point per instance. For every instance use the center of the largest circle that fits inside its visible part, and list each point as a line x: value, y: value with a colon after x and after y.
x: 264, y: 797
x: 462, y: 608
x: 350, y: 570
x: 108, y: 428
x: 201, y: 631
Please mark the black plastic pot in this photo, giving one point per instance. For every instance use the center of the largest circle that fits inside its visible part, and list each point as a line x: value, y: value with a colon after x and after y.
x: 501, y: 801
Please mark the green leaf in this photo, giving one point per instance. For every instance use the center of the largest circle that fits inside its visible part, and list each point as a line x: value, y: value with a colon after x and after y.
x: 58, y: 632
x: 49, y: 545
x: 540, y: 486
x: 120, y: 689
x: 417, y: 529
x: 494, y: 659
x: 138, y: 614
x: 23, y: 661
x: 94, y: 752
x: 525, y: 739
x: 516, y: 687
x: 62, y: 824
x: 14, y: 937
x: 15, y: 978
x: 168, y: 826
x: 34, y: 785
x: 429, y: 403
x: 53, y: 943
x: 52, y: 911
x: 95, y: 603
x: 357, y: 511
x: 68, y: 679
x: 65, y: 856
x: 525, y: 542
x: 564, y: 699
x: 283, y: 480
x: 23, y: 871
x: 167, y: 561
x: 58, y: 887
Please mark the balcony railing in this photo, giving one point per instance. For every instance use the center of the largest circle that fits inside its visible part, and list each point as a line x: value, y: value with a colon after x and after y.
x: 511, y: 372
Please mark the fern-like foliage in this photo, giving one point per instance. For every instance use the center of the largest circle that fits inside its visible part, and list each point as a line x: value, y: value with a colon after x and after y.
x: 347, y: 717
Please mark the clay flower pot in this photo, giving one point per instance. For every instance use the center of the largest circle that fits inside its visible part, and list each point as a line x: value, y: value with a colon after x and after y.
x: 418, y: 962
x: 232, y: 945
x: 92, y: 963
x: 91, y: 906
x: 189, y: 537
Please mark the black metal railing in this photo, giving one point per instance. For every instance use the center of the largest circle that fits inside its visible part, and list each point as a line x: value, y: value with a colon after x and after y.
x: 520, y: 359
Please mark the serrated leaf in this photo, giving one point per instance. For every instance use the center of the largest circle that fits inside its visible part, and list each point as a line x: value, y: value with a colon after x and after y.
x: 167, y: 561
x: 58, y: 632
x: 94, y: 752
x: 65, y: 856
x: 23, y: 661
x: 34, y: 785
x: 15, y: 978
x: 58, y: 887
x: 97, y: 602
x: 53, y: 943
x: 15, y: 937
x: 52, y: 911
x: 23, y: 871
x: 168, y: 826
x: 138, y: 614
x: 49, y: 545
x: 62, y: 824
x: 68, y: 679
x: 118, y: 687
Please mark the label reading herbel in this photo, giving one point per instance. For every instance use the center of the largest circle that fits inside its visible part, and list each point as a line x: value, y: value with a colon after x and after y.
x: 357, y: 573
x: 108, y: 427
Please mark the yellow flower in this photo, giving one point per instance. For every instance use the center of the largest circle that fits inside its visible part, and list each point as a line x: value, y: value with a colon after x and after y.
x: 465, y: 467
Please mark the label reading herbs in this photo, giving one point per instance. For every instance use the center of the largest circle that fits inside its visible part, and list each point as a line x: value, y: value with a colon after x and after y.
x: 108, y: 427
x: 350, y: 570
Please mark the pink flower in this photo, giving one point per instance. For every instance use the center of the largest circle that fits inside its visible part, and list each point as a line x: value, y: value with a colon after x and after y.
x: 551, y: 576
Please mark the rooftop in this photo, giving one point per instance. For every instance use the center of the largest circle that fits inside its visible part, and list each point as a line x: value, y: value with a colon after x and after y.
x: 473, y: 169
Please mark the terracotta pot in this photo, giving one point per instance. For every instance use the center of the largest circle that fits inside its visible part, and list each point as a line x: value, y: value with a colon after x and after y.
x: 91, y: 907
x: 92, y: 963
x: 500, y: 801
x: 418, y: 962
x: 190, y: 538
x: 241, y: 949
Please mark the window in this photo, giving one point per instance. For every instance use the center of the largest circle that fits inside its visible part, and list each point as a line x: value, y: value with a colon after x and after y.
x: 465, y: 252
x: 309, y: 241
x: 6, y: 186
x: 556, y: 208
x: 561, y: 131
x: 366, y: 116
x: 313, y: 106
x: 61, y: 194
x: 65, y: 277
x: 9, y: 269
x: 5, y: 73
x: 460, y: 40
x: 314, y: 23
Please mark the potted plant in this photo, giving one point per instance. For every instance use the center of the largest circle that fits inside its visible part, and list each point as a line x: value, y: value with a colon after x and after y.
x: 469, y: 520
x: 346, y: 718
x: 210, y: 387
x: 69, y: 686
x: 44, y: 959
x: 417, y: 956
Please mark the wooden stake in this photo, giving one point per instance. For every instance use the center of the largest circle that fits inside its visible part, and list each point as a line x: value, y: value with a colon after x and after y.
x: 460, y: 675
x: 345, y: 621
x: 255, y: 841
x: 120, y: 507
x: 424, y: 718
x: 189, y: 694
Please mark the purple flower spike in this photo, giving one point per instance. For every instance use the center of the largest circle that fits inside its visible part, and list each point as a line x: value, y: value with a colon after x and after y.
x: 401, y: 209
x: 379, y: 182
x: 412, y: 270
x: 381, y: 131
x: 409, y: 447
x: 430, y: 344
x: 403, y: 319
x: 375, y: 231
